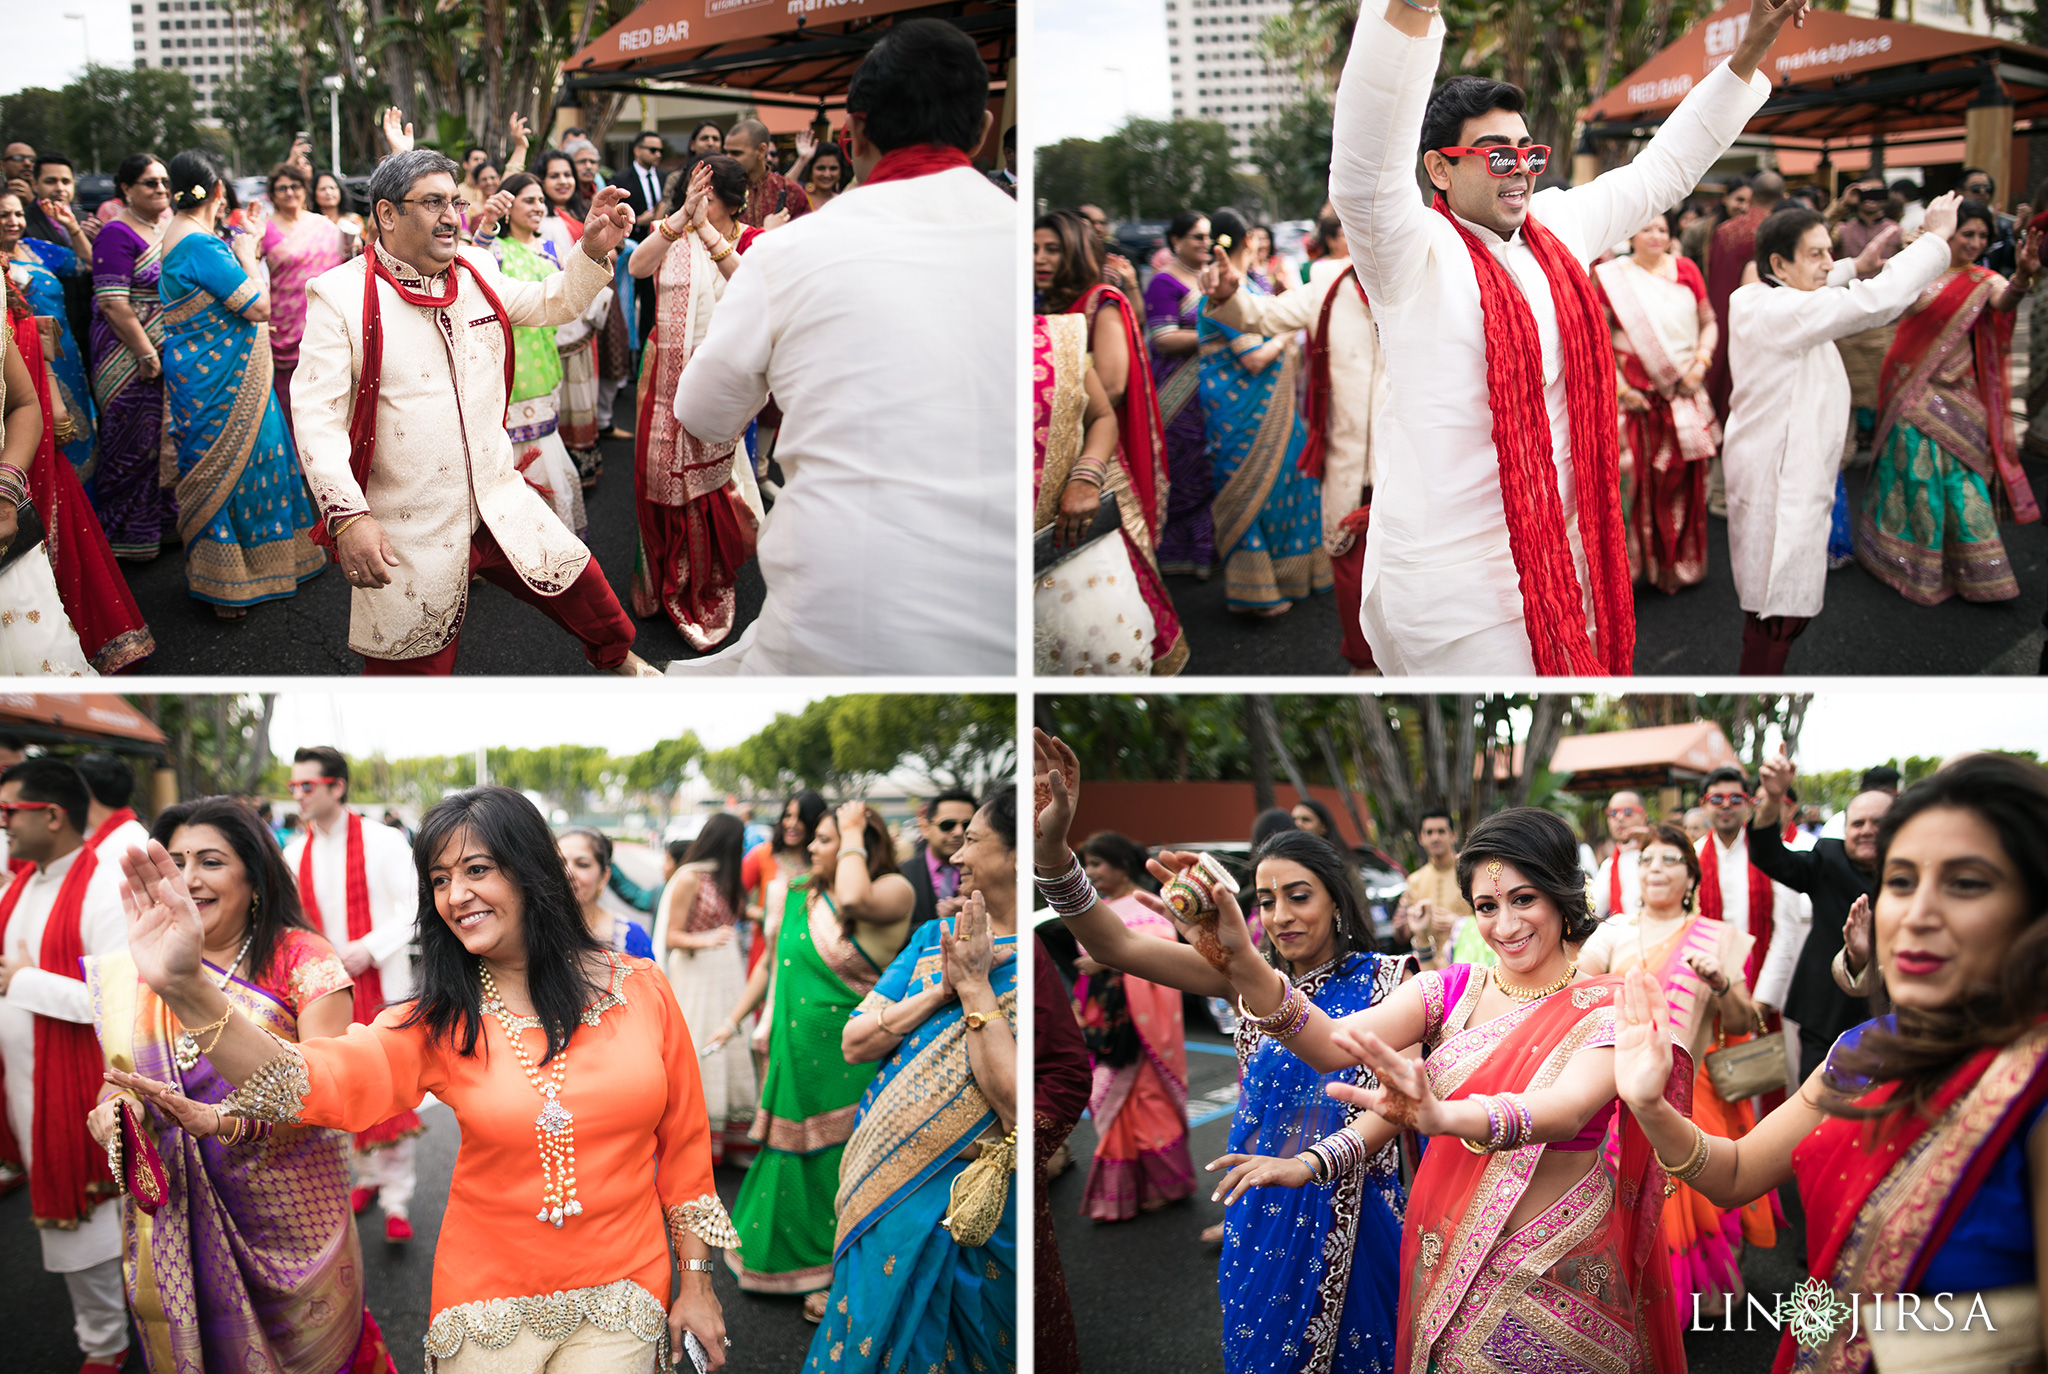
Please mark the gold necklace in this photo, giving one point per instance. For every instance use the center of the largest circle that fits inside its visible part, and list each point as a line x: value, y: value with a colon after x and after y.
x: 555, y: 1127
x: 185, y: 1050
x: 1536, y: 994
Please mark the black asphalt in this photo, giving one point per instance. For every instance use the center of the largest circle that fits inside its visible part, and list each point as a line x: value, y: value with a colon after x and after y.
x: 1866, y: 629
x: 1144, y: 1291
x: 769, y: 1335
x: 308, y: 633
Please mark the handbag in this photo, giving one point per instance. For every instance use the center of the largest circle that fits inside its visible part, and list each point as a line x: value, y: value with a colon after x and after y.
x: 1757, y: 1065
x: 974, y: 1206
x: 2009, y: 1344
x: 145, y: 1179
x: 1044, y: 557
x: 28, y: 534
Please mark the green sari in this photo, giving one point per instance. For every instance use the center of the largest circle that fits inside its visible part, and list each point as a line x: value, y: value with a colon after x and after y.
x: 784, y: 1215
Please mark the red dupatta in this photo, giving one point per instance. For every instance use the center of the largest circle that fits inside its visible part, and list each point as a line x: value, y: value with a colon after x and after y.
x: 1141, y: 434
x: 1762, y: 899
x: 1911, y: 1176
x: 1553, y: 607
x: 1451, y: 1275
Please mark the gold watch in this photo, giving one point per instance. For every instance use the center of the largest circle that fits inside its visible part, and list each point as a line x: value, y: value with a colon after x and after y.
x: 977, y: 1019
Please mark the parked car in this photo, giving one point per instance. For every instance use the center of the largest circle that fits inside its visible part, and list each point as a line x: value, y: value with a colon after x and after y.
x: 94, y: 190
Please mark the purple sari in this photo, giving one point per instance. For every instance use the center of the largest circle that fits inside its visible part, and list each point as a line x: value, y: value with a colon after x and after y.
x: 1187, y: 542
x: 135, y: 509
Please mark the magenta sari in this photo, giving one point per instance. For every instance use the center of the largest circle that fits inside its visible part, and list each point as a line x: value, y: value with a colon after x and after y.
x: 295, y: 258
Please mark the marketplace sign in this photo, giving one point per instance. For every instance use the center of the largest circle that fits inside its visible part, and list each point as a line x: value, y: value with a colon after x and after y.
x: 669, y: 30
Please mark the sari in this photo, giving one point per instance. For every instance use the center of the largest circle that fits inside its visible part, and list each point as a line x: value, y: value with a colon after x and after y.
x: 1139, y: 1096
x: 904, y: 1293
x: 106, y: 629
x: 1585, y: 1284
x: 530, y: 420
x: 1888, y: 1201
x: 1187, y: 538
x: 808, y: 1103
x: 295, y: 258
x: 1268, y: 512
x: 1666, y: 448
x: 1059, y: 1094
x: 40, y: 281
x: 707, y: 983
x: 253, y: 1261
x: 1946, y: 462
x: 1700, y: 1238
x: 243, y: 509
x: 135, y: 508
x: 696, y: 527
x: 1307, y: 1274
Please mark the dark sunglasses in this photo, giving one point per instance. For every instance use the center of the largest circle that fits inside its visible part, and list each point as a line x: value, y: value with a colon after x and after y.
x: 1503, y: 161
x: 158, y: 182
x: 948, y: 827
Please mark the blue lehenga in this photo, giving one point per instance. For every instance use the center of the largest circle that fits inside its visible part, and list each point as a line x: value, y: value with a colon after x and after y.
x: 45, y: 293
x: 243, y: 509
x: 1309, y: 1275
x: 904, y: 1295
x: 1269, y: 514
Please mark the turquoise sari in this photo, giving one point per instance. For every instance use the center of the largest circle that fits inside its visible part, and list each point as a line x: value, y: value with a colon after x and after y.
x: 1269, y: 514
x: 903, y: 1294
x: 243, y: 510
x: 45, y: 293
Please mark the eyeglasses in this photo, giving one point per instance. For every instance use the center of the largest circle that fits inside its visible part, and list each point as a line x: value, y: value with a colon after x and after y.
x: 7, y: 809
x: 303, y: 786
x: 1662, y: 861
x: 1504, y: 161
x: 1724, y: 799
x: 159, y: 183
x: 948, y: 827
x: 1617, y: 812
x: 435, y: 206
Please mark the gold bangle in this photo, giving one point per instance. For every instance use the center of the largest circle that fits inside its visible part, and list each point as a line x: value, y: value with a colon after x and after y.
x: 216, y: 1027
x: 882, y: 1018
x: 1695, y: 1162
x: 672, y: 235
x: 721, y: 257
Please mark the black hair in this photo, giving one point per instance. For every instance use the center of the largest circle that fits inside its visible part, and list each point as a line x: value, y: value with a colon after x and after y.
x: 1001, y: 811
x: 838, y: 155
x: 810, y: 809
x: 1271, y: 822
x: 576, y: 207
x: 14, y: 742
x: 46, y: 159
x: 1462, y: 98
x: 1227, y: 223
x: 273, y: 893
x: 723, y: 840
x: 1903, y: 187
x: 1780, y: 233
x: 1544, y: 851
x: 1183, y: 224
x: 1080, y: 268
x: 1327, y: 228
x: 340, y: 188
x: 474, y: 148
x: 1322, y: 814
x: 1979, y: 211
x: 1880, y: 778
x: 600, y: 845
x: 449, y: 1000
x: 1963, y: 180
x: 516, y: 184
x: 288, y: 171
x: 1433, y: 813
x: 1334, y: 872
x: 1727, y: 772
x: 131, y: 171
x: 194, y: 174
x: 925, y: 82
x: 333, y: 763
x: 55, y: 781
x: 677, y: 850
x: 728, y: 179
x: 1119, y: 851
x: 646, y: 134
x: 952, y: 794
x: 704, y: 124
x: 107, y: 776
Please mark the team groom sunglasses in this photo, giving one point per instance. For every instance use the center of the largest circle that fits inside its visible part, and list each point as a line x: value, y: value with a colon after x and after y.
x: 1504, y: 160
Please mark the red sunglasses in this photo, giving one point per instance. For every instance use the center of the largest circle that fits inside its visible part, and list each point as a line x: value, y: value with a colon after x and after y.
x: 307, y: 785
x: 1503, y: 161
x: 7, y: 809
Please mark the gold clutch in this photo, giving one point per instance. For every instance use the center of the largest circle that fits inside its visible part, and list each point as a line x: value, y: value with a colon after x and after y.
x: 1752, y: 1067
x: 974, y: 1207
x: 2009, y: 1343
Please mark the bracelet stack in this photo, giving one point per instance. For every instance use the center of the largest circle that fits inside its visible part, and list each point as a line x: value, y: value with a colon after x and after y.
x: 1340, y: 1153
x: 672, y: 235
x: 1694, y: 1162
x: 1069, y: 894
x: 1285, y: 1023
x: 1090, y: 469
x: 13, y: 485
x: 1510, y: 1124
x: 240, y: 1130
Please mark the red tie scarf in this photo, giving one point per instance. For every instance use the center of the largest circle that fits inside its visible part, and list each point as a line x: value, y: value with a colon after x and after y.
x: 1553, y: 607
x: 1761, y: 900
x: 362, y: 420
x: 916, y: 160
x: 70, y: 1173
x: 1317, y: 405
x: 109, y: 826
x: 1614, y: 907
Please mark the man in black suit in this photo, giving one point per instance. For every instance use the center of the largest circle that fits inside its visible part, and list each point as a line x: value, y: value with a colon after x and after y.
x: 642, y: 181
x: 943, y: 823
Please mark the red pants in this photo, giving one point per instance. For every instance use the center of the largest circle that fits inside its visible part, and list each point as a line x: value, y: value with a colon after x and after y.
x: 1766, y: 642
x: 587, y: 610
x: 1346, y: 566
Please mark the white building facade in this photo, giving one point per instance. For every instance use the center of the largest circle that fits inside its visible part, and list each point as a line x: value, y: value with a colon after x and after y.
x: 202, y: 38
x: 1219, y: 70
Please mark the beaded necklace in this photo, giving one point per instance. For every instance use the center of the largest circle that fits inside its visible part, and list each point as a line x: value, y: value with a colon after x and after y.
x: 555, y: 1127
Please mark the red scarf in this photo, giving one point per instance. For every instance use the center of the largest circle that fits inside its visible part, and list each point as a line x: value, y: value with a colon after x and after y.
x: 70, y: 1172
x: 109, y: 826
x: 1317, y: 405
x: 916, y: 160
x: 1614, y: 906
x: 362, y: 420
x: 369, y: 995
x: 1142, y: 435
x: 1761, y: 903
x: 1553, y: 607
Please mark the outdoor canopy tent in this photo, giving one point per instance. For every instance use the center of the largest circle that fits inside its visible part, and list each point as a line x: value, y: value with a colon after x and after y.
x: 1660, y: 756
x: 106, y: 722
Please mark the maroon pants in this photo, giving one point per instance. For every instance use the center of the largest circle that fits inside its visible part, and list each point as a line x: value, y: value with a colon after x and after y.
x: 1347, y: 566
x: 1766, y: 641
x: 587, y: 610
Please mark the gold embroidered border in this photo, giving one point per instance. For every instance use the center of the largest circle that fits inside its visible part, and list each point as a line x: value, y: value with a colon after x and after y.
x: 207, y: 487
x: 1524, y: 1257
x: 1067, y: 347
x: 705, y: 1218
x: 495, y: 1323
x: 276, y: 1092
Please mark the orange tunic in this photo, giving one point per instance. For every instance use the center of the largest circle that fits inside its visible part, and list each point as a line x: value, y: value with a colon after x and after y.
x: 642, y: 1145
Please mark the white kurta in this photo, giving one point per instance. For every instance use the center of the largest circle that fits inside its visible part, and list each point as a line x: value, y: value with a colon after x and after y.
x: 444, y: 463
x: 1786, y: 416
x: 1358, y: 378
x: 1440, y: 590
x: 886, y: 327
x: 1631, y: 883
x: 1731, y: 867
x: 394, y: 894
x: 126, y: 836
x: 36, y: 992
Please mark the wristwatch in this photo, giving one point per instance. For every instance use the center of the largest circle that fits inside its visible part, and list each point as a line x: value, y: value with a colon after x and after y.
x: 700, y: 1266
x: 977, y: 1019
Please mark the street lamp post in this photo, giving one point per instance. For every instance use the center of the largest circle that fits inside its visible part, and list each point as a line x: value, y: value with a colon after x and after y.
x: 333, y: 84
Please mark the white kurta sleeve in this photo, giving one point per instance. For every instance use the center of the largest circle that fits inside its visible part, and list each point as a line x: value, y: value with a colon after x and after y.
x: 102, y: 929
x: 394, y: 895
x: 1250, y: 313
x: 323, y: 395
x: 560, y: 298
x: 1791, y: 920
x: 1603, y: 889
x: 1378, y: 130
x: 1615, y: 204
x: 1794, y: 321
x: 50, y: 994
x: 726, y: 382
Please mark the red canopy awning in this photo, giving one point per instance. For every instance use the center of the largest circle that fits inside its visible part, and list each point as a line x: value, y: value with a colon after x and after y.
x: 54, y: 717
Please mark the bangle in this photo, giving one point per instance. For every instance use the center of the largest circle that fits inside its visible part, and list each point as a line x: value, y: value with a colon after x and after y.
x: 1286, y: 1021
x: 1070, y: 893
x: 698, y: 1266
x: 1318, y: 1167
x: 852, y: 852
x: 672, y: 235
x: 881, y: 1019
x: 721, y: 257
x: 1426, y: 9
x: 1423, y: 951
x: 13, y: 484
x: 1695, y: 1162
x: 1494, y: 1129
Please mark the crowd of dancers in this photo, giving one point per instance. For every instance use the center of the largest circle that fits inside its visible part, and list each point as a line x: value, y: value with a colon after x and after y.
x: 215, y: 1050
x: 212, y: 375
x: 1376, y: 425
x: 1539, y: 1125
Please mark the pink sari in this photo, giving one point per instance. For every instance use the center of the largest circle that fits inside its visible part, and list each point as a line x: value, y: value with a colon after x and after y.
x: 295, y: 258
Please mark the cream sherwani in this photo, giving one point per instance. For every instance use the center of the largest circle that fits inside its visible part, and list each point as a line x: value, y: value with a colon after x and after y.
x: 440, y: 432
x: 1787, y: 414
x: 394, y: 894
x: 1358, y: 379
x: 886, y: 326
x: 1440, y: 592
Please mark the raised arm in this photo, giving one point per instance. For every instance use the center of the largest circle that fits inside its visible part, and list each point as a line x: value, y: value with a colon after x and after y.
x: 1256, y: 314
x: 1377, y: 135
x: 1798, y: 320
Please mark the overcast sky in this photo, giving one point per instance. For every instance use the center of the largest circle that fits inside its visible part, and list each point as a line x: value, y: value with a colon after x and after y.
x: 49, y: 49
x: 1853, y: 727
x: 1074, y: 95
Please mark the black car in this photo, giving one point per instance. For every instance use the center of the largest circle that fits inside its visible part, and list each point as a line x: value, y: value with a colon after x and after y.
x: 94, y: 190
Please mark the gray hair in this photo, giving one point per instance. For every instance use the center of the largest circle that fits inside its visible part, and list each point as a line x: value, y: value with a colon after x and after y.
x: 397, y: 174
